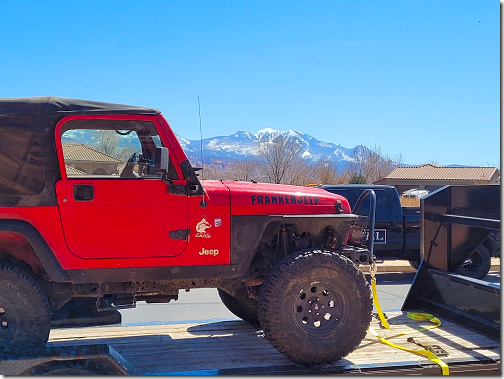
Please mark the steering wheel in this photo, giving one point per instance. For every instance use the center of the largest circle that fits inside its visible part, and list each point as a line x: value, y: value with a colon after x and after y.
x: 127, y: 171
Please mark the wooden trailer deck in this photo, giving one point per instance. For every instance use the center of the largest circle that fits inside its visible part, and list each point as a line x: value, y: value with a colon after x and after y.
x: 236, y: 347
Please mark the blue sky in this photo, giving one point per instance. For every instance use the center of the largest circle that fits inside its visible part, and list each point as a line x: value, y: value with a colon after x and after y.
x: 416, y: 78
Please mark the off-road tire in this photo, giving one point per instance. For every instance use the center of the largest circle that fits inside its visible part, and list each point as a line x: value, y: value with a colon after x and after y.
x: 241, y: 306
x: 24, y: 312
x: 479, y: 265
x: 335, y: 292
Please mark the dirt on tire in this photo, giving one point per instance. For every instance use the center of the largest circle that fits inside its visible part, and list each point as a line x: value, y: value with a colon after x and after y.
x: 242, y: 307
x: 24, y: 312
x: 315, y: 306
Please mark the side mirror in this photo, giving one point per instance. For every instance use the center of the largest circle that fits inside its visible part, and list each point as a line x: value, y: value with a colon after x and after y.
x: 161, y: 160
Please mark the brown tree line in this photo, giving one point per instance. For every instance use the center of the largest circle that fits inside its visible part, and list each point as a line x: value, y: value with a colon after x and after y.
x: 280, y: 161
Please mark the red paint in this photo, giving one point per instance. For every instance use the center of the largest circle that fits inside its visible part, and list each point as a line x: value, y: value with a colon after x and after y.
x: 127, y: 223
x: 128, y: 218
x: 275, y: 199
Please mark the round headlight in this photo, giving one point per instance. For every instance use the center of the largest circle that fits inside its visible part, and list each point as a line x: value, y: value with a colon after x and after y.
x: 356, y: 235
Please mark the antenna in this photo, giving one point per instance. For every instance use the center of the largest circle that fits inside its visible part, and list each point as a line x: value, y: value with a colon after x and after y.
x: 203, y: 203
x: 201, y: 138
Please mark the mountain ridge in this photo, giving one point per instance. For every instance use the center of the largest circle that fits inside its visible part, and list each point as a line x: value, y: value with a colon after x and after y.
x: 243, y: 144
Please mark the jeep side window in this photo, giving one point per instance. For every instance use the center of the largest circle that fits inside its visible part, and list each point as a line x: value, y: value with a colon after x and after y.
x: 111, y: 149
x: 21, y: 171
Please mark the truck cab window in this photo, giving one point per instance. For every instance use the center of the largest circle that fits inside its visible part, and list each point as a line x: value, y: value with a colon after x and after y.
x: 382, y: 203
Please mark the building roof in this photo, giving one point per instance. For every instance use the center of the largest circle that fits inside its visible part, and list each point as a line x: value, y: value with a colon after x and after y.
x: 358, y: 186
x: 70, y: 170
x: 435, y: 172
x: 83, y: 153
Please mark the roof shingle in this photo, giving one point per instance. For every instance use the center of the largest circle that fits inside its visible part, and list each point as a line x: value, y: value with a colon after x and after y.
x: 83, y: 153
x: 71, y: 171
x: 435, y: 172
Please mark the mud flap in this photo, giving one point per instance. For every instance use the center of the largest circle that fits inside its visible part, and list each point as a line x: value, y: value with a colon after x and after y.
x: 472, y: 303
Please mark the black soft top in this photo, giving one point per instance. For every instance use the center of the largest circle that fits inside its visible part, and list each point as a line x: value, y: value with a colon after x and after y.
x: 29, y: 166
x: 47, y: 106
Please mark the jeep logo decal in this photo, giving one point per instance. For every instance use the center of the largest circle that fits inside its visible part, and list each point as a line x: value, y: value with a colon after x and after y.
x: 284, y: 199
x: 213, y: 252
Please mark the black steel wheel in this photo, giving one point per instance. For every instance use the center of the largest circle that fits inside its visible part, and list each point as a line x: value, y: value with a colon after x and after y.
x: 319, y: 308
x: 477, y: 265
x: 315, y: 306
x: 24, y: 312
x: 241, y: 305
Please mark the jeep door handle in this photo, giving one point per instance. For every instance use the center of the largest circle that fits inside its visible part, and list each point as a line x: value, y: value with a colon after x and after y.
x: 83, y: 192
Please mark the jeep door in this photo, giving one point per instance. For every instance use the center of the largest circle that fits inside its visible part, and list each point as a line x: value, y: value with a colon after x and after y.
x: 111, y: 203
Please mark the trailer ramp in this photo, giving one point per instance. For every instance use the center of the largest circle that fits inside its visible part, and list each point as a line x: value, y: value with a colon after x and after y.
x: 71, y: 359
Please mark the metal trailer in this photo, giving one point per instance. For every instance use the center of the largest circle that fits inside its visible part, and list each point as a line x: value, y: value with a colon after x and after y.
x: 454, y: 222
x: 94, y: 359
x: 236, y: 347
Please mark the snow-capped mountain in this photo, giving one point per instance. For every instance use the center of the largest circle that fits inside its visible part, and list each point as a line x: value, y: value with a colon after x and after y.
x: 239, y: 145
x: 242, y: 144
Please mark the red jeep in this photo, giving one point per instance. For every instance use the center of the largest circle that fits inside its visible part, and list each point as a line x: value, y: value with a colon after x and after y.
x: 99, y: 201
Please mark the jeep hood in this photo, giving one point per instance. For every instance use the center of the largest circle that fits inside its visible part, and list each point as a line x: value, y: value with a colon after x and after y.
x: 247, y: 198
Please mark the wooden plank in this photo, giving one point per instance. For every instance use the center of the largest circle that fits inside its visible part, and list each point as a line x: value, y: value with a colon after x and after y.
x: 234, y: 344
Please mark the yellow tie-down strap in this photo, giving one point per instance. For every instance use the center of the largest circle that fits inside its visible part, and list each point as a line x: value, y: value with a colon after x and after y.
x: 413, y: 316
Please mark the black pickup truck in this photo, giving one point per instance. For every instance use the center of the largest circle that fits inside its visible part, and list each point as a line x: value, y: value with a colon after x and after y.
x: 397, y: 229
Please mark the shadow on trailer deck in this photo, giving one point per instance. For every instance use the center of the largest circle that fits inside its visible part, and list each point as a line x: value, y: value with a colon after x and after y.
x: 235, y: 347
